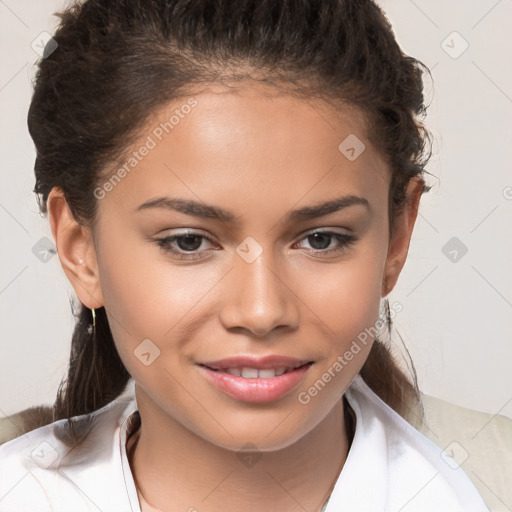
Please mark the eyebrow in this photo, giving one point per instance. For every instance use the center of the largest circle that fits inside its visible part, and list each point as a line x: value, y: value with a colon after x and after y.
x: 202, y: 210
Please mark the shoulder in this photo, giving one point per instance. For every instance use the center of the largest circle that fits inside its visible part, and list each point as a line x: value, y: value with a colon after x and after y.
x: 47, y: 468
x: 479, y: 442
x: 420, y: 475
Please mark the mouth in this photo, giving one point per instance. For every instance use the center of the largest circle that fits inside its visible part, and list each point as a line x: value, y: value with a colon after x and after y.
x: 257, y: 373
x: 253, y: 383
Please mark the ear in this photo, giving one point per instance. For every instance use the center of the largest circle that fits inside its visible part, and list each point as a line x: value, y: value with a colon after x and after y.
x: 76, y: 250
x: 401, y: 236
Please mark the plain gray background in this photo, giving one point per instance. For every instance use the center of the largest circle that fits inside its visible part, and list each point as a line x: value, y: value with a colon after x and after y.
x: 456, y: 319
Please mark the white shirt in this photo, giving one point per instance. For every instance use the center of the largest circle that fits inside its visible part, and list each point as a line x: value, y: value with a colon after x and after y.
x: 391, y: 467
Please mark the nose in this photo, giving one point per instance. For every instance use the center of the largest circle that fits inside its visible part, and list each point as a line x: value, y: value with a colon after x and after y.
x: 257, y: 298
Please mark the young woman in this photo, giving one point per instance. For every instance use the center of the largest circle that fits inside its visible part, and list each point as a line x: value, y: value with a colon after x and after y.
x: 232, y: 187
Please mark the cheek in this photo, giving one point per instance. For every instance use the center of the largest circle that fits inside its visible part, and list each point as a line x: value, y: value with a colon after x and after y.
x: 345, y: 296
x: 345, y: 300
x: 148, y: 297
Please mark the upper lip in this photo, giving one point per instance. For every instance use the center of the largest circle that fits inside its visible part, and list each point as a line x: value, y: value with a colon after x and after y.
x: 261, y: 363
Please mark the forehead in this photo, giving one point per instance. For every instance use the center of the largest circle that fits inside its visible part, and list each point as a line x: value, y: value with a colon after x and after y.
x: 248, y: 145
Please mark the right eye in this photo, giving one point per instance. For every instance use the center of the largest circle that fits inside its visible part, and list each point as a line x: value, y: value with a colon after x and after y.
x: 187, y: 244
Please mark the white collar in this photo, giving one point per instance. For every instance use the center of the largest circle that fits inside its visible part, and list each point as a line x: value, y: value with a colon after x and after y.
x: 390, y: 465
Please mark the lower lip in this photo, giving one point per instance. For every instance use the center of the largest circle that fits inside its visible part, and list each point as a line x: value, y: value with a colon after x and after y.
x: 255, y: 390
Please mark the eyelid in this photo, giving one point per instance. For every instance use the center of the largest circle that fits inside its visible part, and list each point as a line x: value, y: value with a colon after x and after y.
x: 187, y: 231
x: 323, y: 229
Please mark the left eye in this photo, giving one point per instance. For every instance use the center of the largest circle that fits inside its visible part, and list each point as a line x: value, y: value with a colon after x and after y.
x: 190, y: 242
x: 321, y: 237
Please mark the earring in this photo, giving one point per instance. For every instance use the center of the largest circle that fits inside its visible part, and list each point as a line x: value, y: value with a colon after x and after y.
x: 92, y: 327
x: 385, y: 314
x: 382, y: 310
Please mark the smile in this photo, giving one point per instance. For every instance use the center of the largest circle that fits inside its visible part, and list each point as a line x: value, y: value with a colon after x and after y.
x: 255, y: 385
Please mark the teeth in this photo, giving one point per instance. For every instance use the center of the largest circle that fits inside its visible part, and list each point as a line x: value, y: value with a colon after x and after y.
x: 254, y: 373
x: 265, y: 374
x: 250, y: 373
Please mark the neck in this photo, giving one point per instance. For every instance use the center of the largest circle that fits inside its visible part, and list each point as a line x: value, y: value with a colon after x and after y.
x: 172, y: 465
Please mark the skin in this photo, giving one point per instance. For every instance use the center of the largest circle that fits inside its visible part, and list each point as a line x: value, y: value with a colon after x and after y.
x: 259, y: 153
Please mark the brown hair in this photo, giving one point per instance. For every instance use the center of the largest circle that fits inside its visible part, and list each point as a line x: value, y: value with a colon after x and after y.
x: 118, y: 60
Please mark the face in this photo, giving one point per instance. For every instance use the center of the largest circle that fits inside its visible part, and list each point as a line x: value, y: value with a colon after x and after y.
x: 227, y: 263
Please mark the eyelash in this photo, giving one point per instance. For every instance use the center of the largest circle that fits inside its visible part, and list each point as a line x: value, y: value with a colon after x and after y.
x: 346, y: 241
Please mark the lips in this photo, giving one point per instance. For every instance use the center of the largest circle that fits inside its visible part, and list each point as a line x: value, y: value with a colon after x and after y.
x: 256, y: 380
